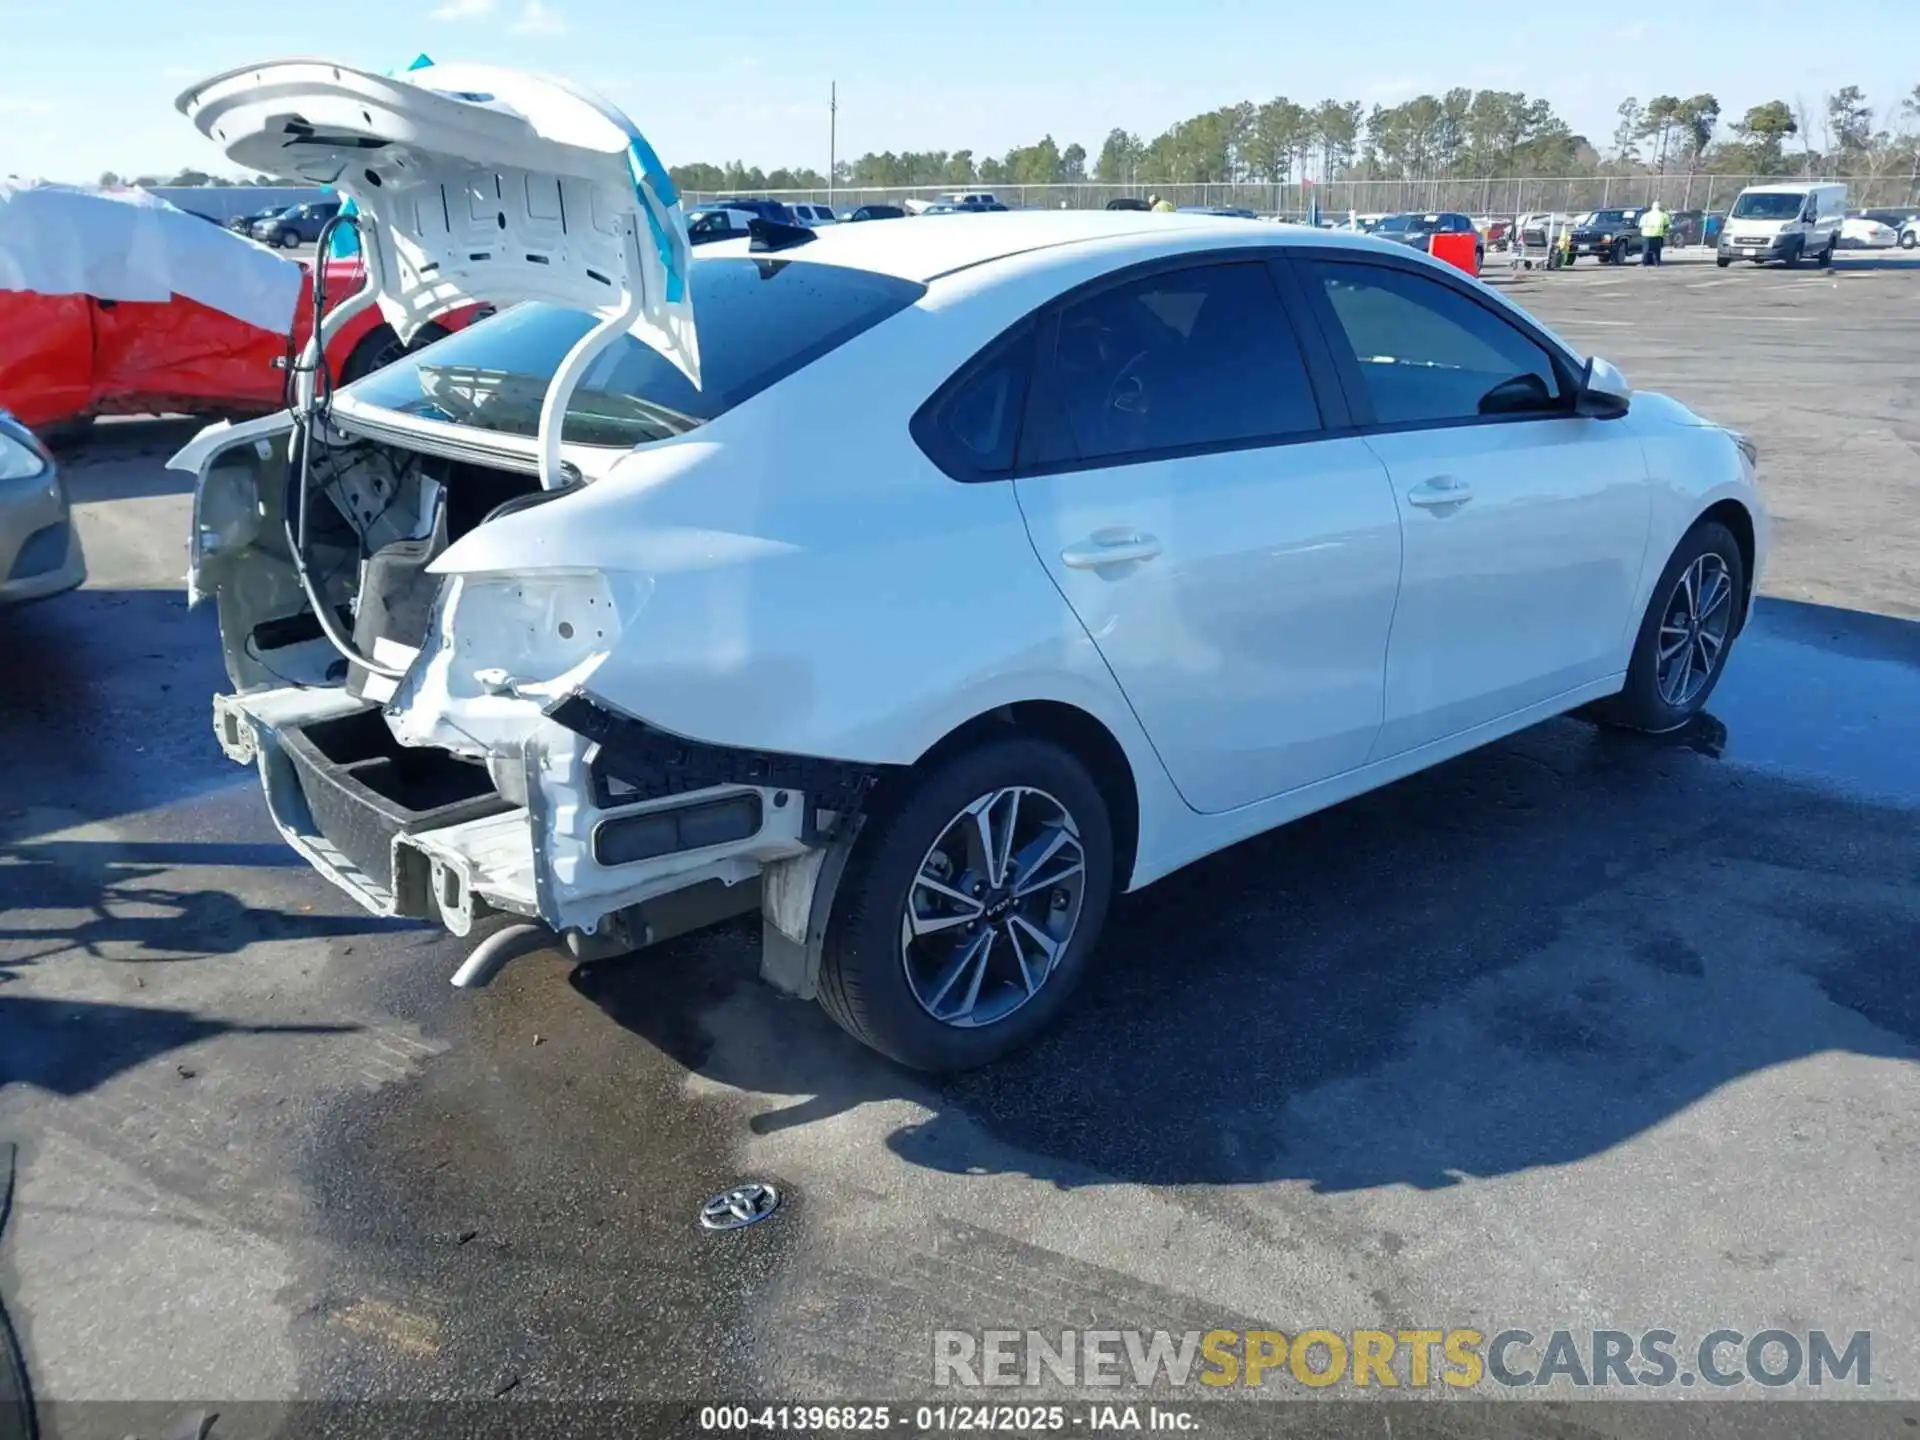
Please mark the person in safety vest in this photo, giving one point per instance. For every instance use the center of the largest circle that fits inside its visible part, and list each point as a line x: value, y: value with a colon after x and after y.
x: 1159, y: 206
x: 1654, y: 222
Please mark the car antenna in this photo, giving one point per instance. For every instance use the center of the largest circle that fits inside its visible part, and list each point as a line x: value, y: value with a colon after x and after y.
x: 773, y: 235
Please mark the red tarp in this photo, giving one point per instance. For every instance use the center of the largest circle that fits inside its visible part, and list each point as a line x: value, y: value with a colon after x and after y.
x: 66, y: 356
x: 46, y: 356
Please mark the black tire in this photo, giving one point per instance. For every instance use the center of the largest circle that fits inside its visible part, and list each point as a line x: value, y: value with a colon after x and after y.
x: 1620, y: 253
x: 1640, y: 706
x: 1825, y: 262
x: 1908, y: 239
x: 380, y: 347
x: 863, y: 978
x: 287, y: 240
x: 1722, y: 261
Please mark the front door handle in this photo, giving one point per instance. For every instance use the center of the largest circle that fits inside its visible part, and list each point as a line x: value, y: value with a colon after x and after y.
x: 1115, y: 545
x: 1441, y: 492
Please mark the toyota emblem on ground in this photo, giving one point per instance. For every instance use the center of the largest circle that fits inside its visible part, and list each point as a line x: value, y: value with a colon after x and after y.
x: 740, y: 1207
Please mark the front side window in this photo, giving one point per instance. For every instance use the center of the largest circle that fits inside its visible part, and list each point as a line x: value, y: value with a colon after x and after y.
x: 1180, y: 359
x: 760, y: 321
x: 1425, y: 352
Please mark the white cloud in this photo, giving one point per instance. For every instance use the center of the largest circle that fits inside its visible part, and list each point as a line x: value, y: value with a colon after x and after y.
x: 537, y: 19
x: 463, y: 9
x: 24, y: 105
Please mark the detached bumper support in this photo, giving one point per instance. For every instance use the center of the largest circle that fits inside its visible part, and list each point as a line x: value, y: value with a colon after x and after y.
x: 656, y: 763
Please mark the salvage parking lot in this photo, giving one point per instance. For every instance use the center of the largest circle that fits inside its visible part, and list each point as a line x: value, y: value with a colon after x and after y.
x: 1575, y: 1031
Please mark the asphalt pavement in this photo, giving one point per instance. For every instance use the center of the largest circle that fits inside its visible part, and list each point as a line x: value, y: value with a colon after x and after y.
x: 1577, y: 1031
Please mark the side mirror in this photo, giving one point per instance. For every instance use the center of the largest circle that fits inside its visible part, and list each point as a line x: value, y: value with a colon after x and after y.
x: 1604, y: 392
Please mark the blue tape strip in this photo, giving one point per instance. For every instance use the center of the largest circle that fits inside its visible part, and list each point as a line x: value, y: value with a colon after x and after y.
x: 662, y: 244
x: 651, y: 167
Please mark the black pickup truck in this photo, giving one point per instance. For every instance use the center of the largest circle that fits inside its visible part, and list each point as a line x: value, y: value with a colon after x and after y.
x: 1610, y: 236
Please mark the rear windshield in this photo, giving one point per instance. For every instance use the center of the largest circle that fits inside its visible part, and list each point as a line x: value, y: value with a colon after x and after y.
x: 759, y: 321
x: 1774, y: 206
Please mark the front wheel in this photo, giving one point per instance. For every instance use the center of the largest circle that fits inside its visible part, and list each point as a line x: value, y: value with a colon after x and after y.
x: 1722, y: 261
x: 289, y: 240
x: 1909, y: 239
x: 1825, y: 262
x: 1681, y: 649
x: 971, y: 907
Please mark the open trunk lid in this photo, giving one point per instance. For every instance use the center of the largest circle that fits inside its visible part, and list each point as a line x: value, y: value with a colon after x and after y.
x: 474, y: 184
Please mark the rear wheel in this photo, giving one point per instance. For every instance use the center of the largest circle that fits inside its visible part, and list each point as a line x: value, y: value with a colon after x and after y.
x: 971, y: 907
x: 1682, y: 646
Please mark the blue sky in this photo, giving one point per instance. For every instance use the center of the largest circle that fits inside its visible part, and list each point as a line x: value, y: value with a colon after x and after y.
x: 88, y: 84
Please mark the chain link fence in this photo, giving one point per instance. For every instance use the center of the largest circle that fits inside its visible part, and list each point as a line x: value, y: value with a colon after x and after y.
x: 1486, y: 197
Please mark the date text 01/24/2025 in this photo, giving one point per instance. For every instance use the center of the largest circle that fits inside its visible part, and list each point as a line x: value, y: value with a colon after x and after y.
x: 946, y: 1419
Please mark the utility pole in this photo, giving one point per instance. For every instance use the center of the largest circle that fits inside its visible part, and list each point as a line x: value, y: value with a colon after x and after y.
x: 833, y: 136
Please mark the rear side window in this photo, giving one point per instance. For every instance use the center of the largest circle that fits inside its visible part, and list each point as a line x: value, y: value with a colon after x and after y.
x: 760, y: 321
x: 1177, y: 360
x: 1425, y: 352
x: 971, y: 430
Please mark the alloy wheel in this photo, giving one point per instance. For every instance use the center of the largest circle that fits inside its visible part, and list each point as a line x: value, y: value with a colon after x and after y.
x: 992, y: 907
x: 1694, y: 630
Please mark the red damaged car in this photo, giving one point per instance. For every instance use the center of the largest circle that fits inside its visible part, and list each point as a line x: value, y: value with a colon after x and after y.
x: 119, y: 303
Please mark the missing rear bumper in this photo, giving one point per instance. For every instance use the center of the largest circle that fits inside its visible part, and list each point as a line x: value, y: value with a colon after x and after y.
x: 418, y: 833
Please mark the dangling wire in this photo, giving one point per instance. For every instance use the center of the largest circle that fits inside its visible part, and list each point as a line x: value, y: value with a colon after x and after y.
x: 308, y: 423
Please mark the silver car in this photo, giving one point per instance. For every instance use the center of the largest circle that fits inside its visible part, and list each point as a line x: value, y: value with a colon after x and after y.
x: 39, y: 548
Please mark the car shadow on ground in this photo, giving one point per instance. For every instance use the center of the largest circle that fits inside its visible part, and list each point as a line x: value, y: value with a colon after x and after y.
x: 108, y: 705
x: 69, y: 1047
x: 1522, y: 957
x: 135, y: 910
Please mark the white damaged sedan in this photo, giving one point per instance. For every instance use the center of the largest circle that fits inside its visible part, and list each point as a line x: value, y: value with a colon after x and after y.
x: 1117, y: 539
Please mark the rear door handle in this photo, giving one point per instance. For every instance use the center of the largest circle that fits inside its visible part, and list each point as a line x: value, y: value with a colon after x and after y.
x: 1115, y: 545
x: 1440, y: 491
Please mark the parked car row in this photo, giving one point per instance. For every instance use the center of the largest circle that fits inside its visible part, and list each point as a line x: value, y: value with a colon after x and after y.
x: 286, y: 226
x: 1880, y: 229
x: 730, y: 214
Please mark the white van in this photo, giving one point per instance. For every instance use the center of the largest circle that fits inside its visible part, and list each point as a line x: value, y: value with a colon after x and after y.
x: 1786, y: 222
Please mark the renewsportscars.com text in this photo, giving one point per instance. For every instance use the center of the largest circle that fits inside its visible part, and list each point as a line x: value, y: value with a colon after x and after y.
x: 1458, y: 1359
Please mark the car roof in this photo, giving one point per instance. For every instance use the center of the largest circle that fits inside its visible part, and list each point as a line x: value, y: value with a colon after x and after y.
x: 924, y: 253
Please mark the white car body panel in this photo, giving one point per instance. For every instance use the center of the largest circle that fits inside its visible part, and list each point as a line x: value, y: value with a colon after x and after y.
x: 482, y: 184
x: 1523, y: 588
x: 1251, y: 643
x: 865, y: 611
